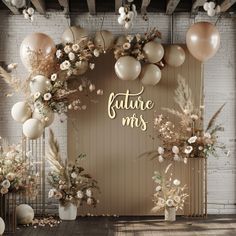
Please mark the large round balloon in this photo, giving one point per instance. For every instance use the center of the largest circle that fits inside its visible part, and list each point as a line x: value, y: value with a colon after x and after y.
x: 47, y: 117
x: 75, y: 34
x: 2, y: 226
x: 203, y: 40
x: 24, y: 214
x: 150, y: 74
x: 104, y: 40
x: 174, y: 55
x: 21, y: 112
x: 39, y: 83
x: 153, y: 51
x: 37, y: 49
x: 33, y: 128
x: 127, y: 68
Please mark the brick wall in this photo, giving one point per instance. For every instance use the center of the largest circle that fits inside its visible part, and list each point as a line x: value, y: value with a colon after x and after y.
x: 219, y: 83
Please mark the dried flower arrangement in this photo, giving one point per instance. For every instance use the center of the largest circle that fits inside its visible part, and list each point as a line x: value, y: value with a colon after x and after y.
x: 169, y: 192
x: 187, y: 138
x: 133, y: 45
x: 69, y: 182
x: 17, y: 174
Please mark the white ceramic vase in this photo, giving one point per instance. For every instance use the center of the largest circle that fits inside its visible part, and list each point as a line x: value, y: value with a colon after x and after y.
x: 68, y: 212
x: 170, y: 214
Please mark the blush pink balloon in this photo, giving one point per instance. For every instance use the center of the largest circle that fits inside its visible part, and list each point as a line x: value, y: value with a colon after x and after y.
x: 203, y: 40
x: 37, y: 48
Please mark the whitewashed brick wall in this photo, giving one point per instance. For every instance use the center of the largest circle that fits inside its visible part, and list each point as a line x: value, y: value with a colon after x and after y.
x: 219, y: 83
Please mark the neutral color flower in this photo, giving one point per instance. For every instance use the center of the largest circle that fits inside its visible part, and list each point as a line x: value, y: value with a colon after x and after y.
x: 160, y: 158
x: 62, y: 67
x: 200, y: 148
x: 12, y: 66
x: 6, y: 183
x: 73, y: 175
x: 47, y: 96
x: 175, y: 149
x: 91, y: 66
x: 53, y: 77
x: 194, y: 117
x: 158, y: 188
x: 80, y: 194
x: 99, y: 92
x: 177, y: 199
x: 192, y: 139
x: 36, y: 95
x: 89, y: 193
x: 81, y: 88
x: 67, y: 49
x: 130, y: 38
x: 71, y: 56
x: 10, y: 176
x: 96, y: 53
x: 66, y: 64
x: 89, y: 201
x: 188, y: 149
x: 51, y: 193
x: 4, y: 190
x: 126, y: 46
x: 176, y: 157
x: 169, y: 202
x: 207, y: 135
x: 176, y: 182
x: 58, y: 53
x: 75, y: 47
x: 160, y: 150
x: 91, y: 87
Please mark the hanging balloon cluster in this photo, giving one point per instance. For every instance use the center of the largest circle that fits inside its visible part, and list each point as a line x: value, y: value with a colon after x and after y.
x: 134, y: 51
x: 211, y: 8
x: 127, y: 14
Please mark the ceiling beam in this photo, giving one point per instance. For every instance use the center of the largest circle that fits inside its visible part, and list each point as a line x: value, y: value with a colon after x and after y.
x: 65, y: 5
x: 226, y: 4
x: 171, y: 6
x: 196, y: 5
x: 145, y: 4
x: 118, y: 4
x: 13, y: 9
x: 91, y: 7
x: 39, y: 6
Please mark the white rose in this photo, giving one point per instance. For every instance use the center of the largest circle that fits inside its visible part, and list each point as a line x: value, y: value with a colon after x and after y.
x: 160, y: 158
x: 58, y: 53
x: 71, y: 56
x: 75, y: 47
x: 169, y: 202
x: 192, y: 139
x: 47, y: 96
x: 160, y: 150
x: 73, y: 175
x: 176, y: 182
x: 51, y: 193
x: 188, y: 149
x: 175, y: 149
x: 158, y: 188
x: 53, y: 77
x: 80, y: 194
x: 67, y: 49
x: 6, y: 183
x: 89, y: 193
x: 96, y: 53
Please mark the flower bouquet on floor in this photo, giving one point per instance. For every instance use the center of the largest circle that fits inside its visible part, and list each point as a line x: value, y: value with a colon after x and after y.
x: 70, y: 184
x: 169, y: 195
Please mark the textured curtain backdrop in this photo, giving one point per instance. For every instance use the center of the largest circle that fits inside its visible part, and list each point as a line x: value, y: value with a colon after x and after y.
x: 112, y: 150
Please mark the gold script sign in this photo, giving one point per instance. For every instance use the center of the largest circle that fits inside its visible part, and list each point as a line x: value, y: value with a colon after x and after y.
x: 129, y: 101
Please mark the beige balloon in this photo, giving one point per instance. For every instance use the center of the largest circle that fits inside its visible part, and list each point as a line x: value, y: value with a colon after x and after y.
x: 174, y: 55
x: 104, y: 40
x: 81, y: 67
x: 203, y: 40
x: 150, y: 74
x: 127, y: 68
x: 33, y: 128
x: 24, y: 214
x: 120, y: 41
x: 38, y: 43
x: 39, y: 83
x: 21, y: 111
x: 75, y: 34
x: 153, y: 51
x: 47, y: 117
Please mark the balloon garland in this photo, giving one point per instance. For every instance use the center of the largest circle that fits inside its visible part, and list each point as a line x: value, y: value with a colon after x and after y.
x: 52, y: 67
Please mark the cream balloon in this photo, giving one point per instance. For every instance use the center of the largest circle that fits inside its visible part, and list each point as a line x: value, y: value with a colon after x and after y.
x: 174, y: 55
x: 104, y: 40
x: 24, y: 214
x: 47, y: 117
x: 33, y: 128
x: 81, y: 67
x: 150, y: 74
x: 127, y: 68
x: 75, y: 34
x: 39, y: 83
x: 2, y: 226
x: 203, y: 40
x: 37, y: 43
x: 21, y: 112
x: 153, y: 51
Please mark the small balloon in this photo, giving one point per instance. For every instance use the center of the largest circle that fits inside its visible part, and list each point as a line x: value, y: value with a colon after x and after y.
x: 33, y: 128
x: 153, y: 51
x: 24, y: 214
x: 21, y: 111
x: 150, y: 75
x: 203, y: 40
x: 39, y: 83
x: 174, y: 55
x: 104, y: 40
x: 75, y: 34
x: 127, y: 68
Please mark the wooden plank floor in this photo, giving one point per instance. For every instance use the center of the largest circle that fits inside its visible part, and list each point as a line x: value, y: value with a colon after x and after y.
x: 137, y: 226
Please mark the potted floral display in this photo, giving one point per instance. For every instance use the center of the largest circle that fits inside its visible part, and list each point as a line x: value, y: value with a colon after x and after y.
x: 169, y: 195
x: 70, y: 184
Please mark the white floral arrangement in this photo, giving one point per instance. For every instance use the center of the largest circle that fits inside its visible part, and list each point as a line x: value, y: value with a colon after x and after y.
x: 70, y: 184
x: 169, y: 192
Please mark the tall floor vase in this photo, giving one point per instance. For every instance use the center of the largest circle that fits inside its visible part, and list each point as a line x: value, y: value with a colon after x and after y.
x: 68, y: 212
x: 170, y: 214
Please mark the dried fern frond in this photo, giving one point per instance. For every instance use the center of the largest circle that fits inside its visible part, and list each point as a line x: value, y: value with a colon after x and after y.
x: 173, y: 112
x: 214, y: 117
x: 53, y: 154
x: 183, y: 95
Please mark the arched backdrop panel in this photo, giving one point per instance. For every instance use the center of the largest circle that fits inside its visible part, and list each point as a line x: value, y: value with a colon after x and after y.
x: 112, y: 150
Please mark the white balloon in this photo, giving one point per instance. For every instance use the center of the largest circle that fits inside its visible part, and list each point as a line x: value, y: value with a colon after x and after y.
x: 206, y: 6
x: 128, y: 25
x: 211, y: 5
x: 130, y: 15
x: 33, y: 128
x: 21, y: 112
x: 150, y: 74
x: 2, y: 226
x: 211, y: 12
x: 123, y: 16
x: 121, y: 10
x: 24, y: 214
x: 39, y: 83
x: 46, y: 118
x: 18, y: 3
